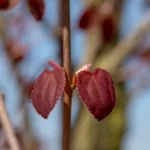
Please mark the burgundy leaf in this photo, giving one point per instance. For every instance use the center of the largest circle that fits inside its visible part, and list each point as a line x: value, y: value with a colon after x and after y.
x: 97, y: 92
x: 47, y: 90
x: 37, y: 8
x: 4, y: 4
x: 8, y: 4
x: 89, y: 18
x: 107, y: 25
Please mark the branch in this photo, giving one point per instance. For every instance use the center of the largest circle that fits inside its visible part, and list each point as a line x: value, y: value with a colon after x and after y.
x: 28, y: 135
x: 110, y: 61
x: 67, y: 68
x: 12, y: 140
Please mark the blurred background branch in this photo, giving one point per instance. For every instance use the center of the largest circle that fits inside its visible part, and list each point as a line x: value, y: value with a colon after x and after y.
x: 106, y: 34
x: 10, y: 134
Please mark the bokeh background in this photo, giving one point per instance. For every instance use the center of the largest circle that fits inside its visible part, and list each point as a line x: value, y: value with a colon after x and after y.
x: 112, y: 34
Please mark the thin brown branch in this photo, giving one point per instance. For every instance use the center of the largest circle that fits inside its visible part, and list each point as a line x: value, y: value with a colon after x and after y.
x: 28, y: 135
x: 12, y: 140
x: 67, y: 68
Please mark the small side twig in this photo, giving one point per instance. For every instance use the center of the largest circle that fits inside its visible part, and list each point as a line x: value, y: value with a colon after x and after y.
x: 12, y: 140
x: 67, y: 68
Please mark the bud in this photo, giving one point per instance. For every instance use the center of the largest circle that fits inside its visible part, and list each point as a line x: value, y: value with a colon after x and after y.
x: 8, y: 4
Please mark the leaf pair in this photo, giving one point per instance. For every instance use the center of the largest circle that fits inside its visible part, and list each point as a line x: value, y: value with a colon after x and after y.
x: 95, y: 89
x: 47, y: 90
x: 97, y: 92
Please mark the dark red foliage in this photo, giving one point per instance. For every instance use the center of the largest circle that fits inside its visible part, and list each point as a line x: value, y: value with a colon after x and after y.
x: 4, y: 4
x: 108, y: 29
x: 97, y: 92
x: 145, y: 55
x: 88, y: 18
x: 37, y: 8
x: 47, y: 90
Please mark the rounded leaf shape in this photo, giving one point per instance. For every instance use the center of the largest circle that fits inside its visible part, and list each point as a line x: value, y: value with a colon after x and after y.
x: 4, y: 4
x: 96, y: 90
x: 47, y: 90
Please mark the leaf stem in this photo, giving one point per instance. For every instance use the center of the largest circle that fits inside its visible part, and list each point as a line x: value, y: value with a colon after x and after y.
x: 12, y: 140
x: 67, y: 67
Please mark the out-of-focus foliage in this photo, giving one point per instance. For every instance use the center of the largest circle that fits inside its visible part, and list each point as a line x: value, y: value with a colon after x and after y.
x: 37, y: 8
x: 29, y: 27
x: 4, y: 4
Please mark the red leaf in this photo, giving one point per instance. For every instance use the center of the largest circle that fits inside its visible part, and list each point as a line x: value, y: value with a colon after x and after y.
x: 97, y: 92
x: 108, y: 29
x: 88, y: 18
x: 37, y: 8
x: 107, y: 21
x: 4, y: 4
x: 8, y: 4
x: 47, y: 90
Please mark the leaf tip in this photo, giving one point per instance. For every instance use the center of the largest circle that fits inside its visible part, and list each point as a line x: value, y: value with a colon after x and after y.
x: 84, y: 68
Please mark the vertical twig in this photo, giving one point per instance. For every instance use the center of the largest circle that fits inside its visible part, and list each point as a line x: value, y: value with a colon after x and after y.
x: 12, y: 140
x: 67, y: 68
